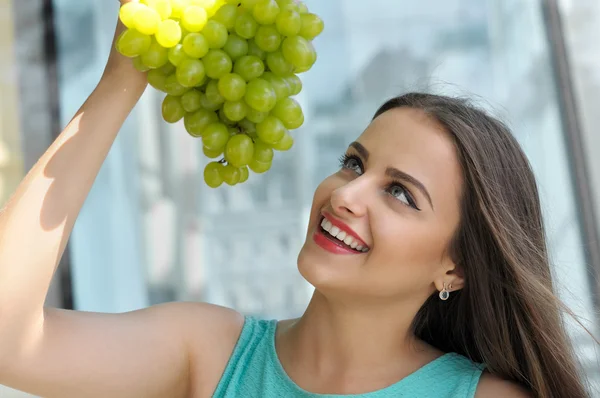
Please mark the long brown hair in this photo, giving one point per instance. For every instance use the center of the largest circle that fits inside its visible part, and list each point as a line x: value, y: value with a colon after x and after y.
x: 507, y: 315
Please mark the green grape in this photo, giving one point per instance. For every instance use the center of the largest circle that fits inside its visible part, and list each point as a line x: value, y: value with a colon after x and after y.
x: 262, y: 152
x: 215, y: 136
x: 167, y: 69
x: 172, y: 110
x: 169, y: 33
x: 295, y: 83
x: 195, y: 45
x: 265, y: 12
x: 231, y: 175
x: 227, y: 15
x: 280, y: 85
x: 132, y: 43
x: 157, y: 79
x: 163, y: 7
x: 260, y: 95
x: 208, y: 104
x: 312, y: 26
x: 196, y: 122
x: 246, y: 26
x: 302, y: 70
x: 211, y: 154
x: 284, y: 144
x: 239, y: 150
x: 249, y: 67
x: 177, y: 7
x: 247, y: 127
x: 270, y: 130
x: 139, y: 65
x: 190, y: 72
x: 127, y: 13
x: 236, y: 47
x: 255, y: 116
x: 288, y: 22
x: 244, y: 174
x: 298, y: 51
x: 213, y: 94
x: 173, y: 87
x: 232, y: 87
x: 191, y: 101
x: 194, y: 18
x: 287, y: 5
x: 289, y: 112
x: 253, y: 49
x: 259, y: 167
x: 249, y: 4
x: 202, y: 85
x: 302, y: 8
x: 267, y: 38
x: 212, y: 174
x: 217, y: 64
x: 215, y: 34
x: 177, y: 55
x: 235, y: 110
x: 156, y: 56
x: 278, y: 64
x: 146, y: 21
x: 227, y: 121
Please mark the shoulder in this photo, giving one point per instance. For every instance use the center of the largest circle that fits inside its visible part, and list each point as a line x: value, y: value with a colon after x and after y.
x: 491, y: 386
x: 201, y: 320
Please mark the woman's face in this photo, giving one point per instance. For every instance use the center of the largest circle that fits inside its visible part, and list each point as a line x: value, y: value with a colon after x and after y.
x: 395, y: 204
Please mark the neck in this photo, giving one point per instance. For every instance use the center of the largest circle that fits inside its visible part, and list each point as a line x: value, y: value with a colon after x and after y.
x: 333, y: 337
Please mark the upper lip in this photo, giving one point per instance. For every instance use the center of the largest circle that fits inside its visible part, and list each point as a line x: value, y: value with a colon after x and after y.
x: 344, y: 227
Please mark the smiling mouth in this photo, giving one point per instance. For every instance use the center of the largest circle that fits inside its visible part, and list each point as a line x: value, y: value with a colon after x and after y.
x: 340, y: 237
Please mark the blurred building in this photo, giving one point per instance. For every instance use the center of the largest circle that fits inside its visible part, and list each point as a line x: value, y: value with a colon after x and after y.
x: 150, y: 230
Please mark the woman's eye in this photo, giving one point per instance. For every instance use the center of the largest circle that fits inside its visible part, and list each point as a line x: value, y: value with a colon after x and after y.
x: 353, y: 164
x: 401, y: 194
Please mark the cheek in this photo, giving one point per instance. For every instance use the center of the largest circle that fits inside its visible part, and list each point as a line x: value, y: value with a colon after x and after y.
x: 406, y: 244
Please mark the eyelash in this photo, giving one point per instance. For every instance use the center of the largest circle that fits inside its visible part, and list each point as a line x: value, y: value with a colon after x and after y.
x: 344, y: 165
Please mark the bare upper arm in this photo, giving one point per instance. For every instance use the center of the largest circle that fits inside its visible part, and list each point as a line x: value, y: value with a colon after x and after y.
x: 491, y: 386
x: 145, y: 353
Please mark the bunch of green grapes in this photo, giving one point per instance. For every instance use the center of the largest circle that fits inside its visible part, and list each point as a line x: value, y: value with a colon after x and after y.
x: 229, y: 69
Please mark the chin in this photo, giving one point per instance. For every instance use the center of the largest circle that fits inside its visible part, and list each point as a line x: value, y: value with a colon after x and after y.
x: 325, y: 272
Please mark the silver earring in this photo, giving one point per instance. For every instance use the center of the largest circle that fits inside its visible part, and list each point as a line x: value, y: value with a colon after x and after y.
x: 444, y: 294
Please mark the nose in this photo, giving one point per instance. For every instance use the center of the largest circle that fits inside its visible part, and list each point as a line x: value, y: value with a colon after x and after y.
x: 349, y: 199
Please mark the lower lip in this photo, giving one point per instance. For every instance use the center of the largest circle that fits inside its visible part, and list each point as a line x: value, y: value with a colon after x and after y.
x: 332, y: 247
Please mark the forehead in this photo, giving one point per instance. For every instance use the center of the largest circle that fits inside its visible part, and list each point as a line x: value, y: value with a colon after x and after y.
x: 415, y: 143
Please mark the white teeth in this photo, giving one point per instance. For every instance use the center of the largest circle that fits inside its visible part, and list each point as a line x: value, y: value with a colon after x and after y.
x: 343, y: 236
x: 326, y: 225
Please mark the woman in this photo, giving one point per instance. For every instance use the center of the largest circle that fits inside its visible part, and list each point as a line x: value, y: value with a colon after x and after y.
x: 426, y: 250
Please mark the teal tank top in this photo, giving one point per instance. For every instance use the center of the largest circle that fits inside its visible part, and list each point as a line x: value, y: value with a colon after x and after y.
x: 254, y: 370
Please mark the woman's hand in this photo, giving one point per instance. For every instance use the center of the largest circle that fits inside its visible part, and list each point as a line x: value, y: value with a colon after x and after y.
x: 119, y: 69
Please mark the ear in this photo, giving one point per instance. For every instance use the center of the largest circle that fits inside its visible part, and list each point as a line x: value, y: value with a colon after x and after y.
x: 452, y: 276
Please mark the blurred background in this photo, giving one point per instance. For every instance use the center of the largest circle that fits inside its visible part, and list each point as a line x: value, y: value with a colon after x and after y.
x: 152, y: 232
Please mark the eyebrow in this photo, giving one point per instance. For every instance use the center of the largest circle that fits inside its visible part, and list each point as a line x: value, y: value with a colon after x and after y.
x: 394, y: 173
